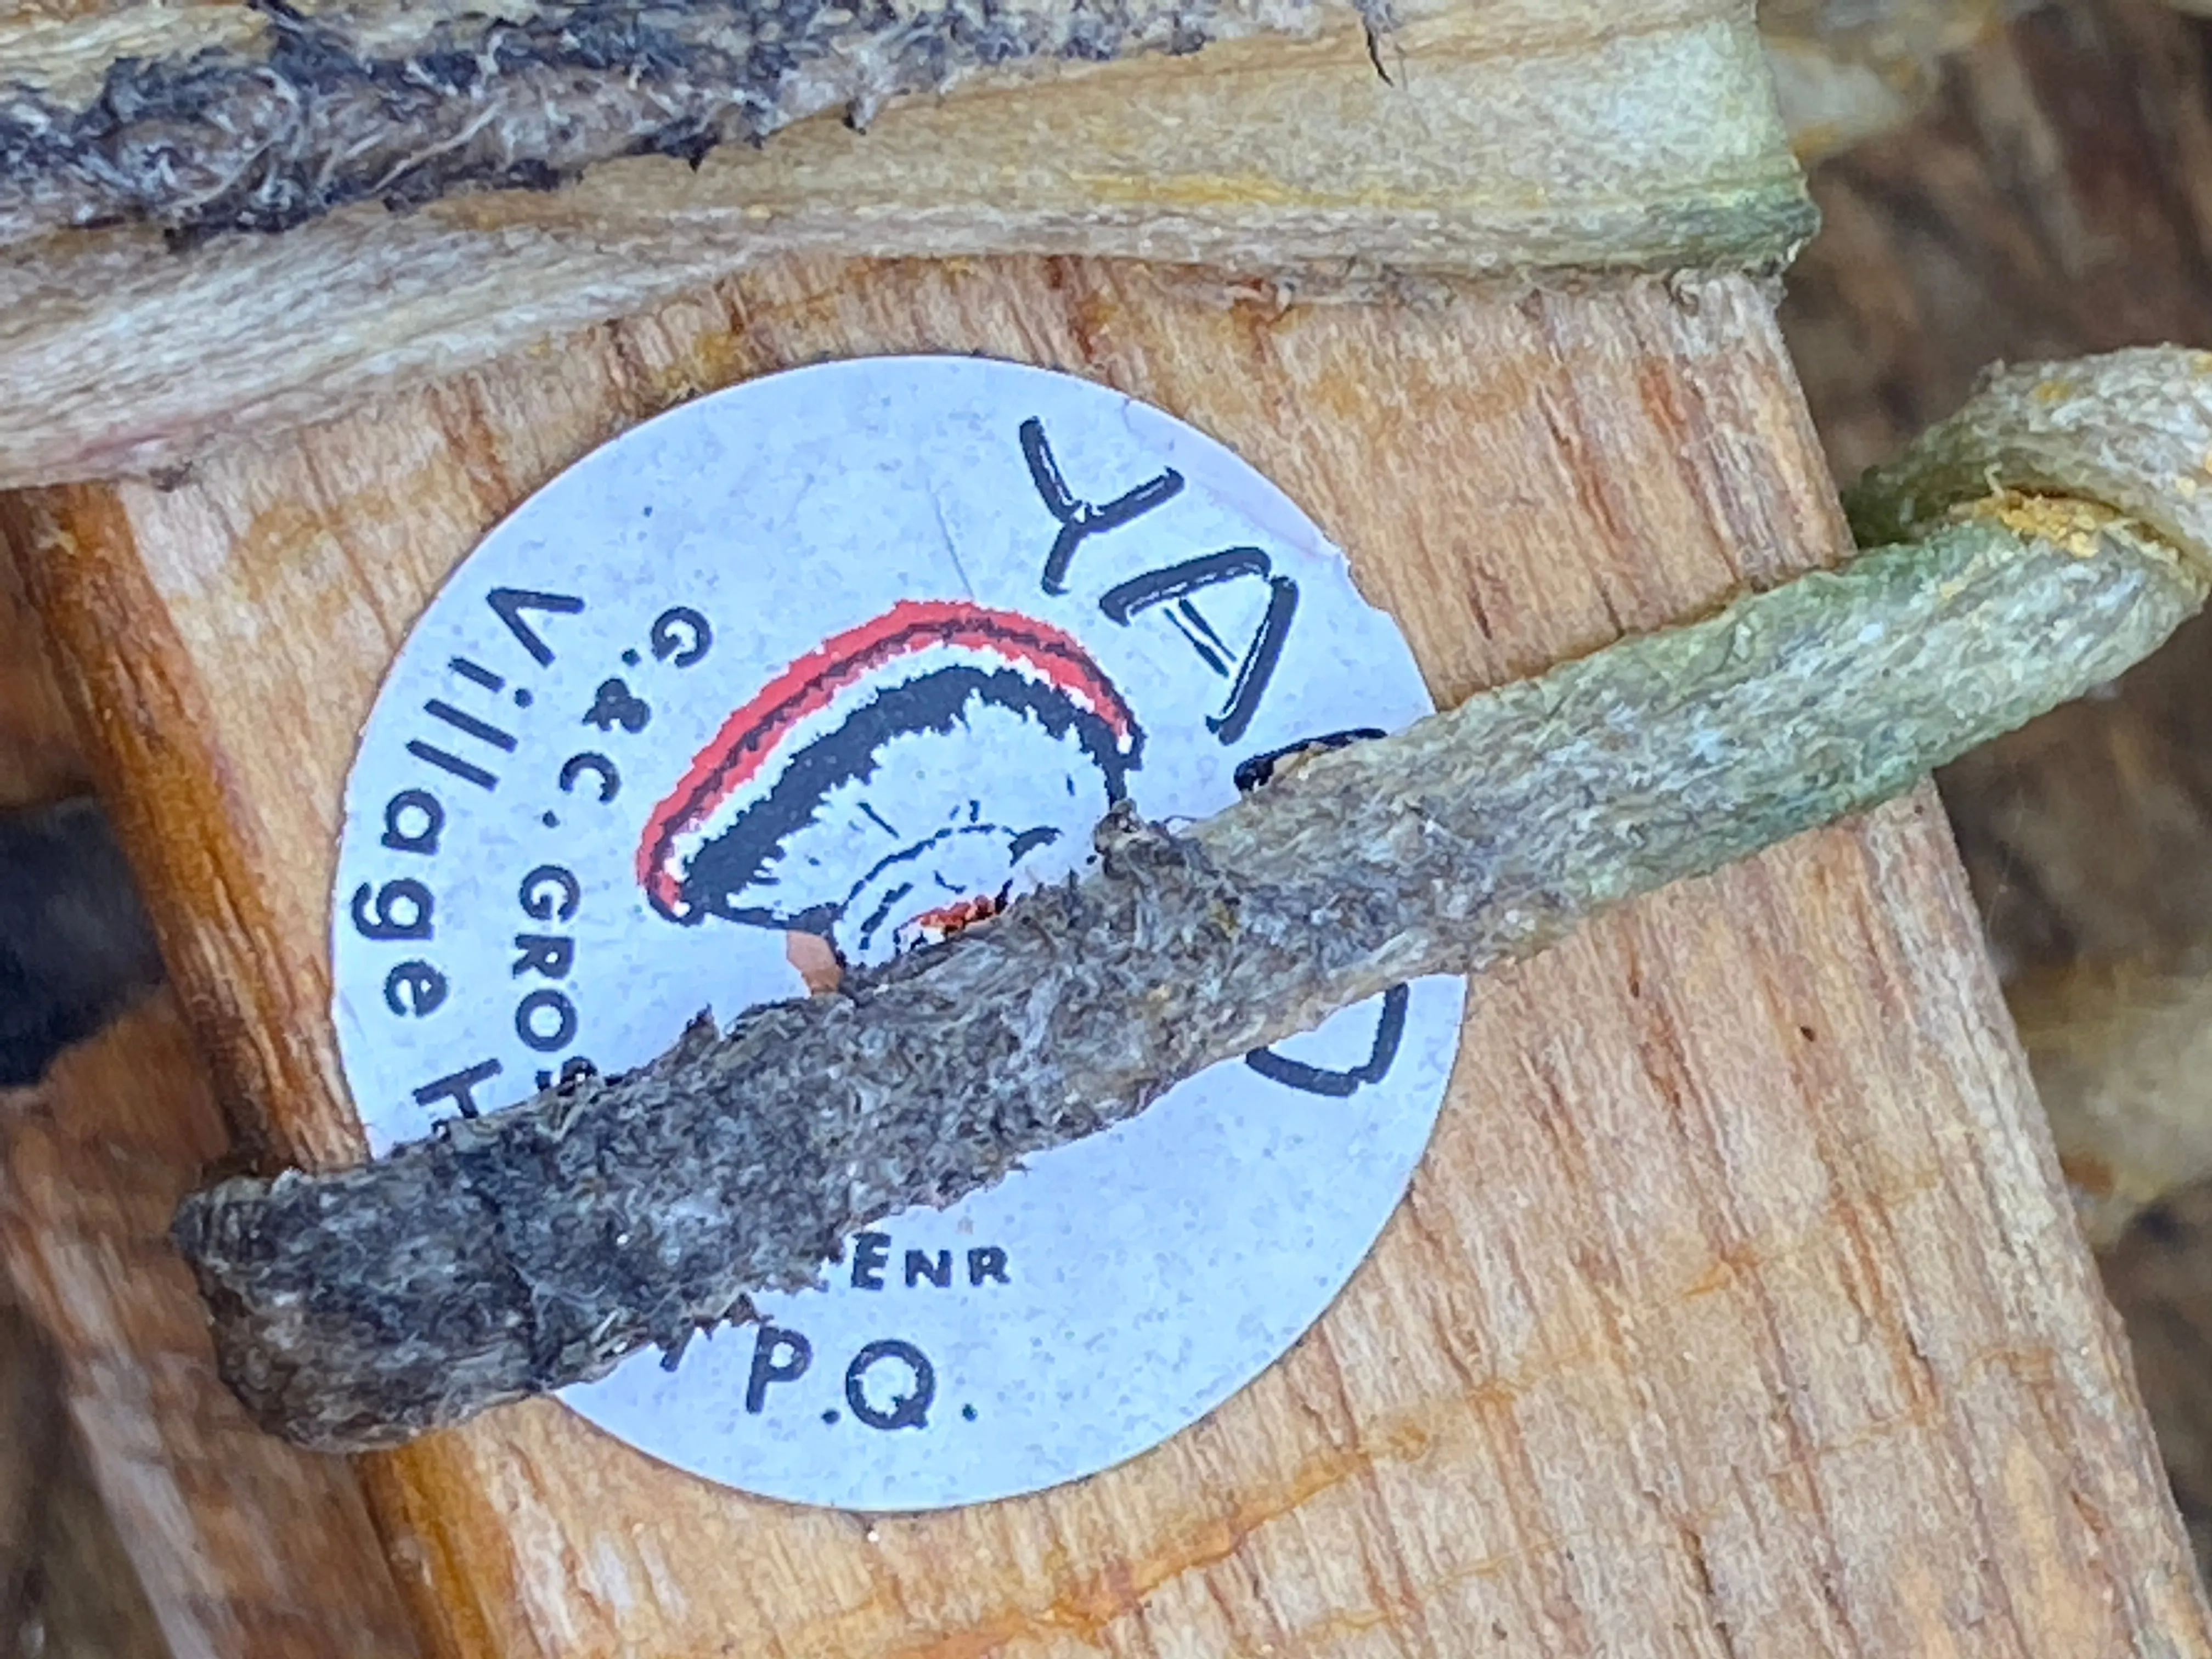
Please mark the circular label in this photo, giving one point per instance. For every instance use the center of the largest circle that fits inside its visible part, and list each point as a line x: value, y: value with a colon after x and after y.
x: 814, y: 671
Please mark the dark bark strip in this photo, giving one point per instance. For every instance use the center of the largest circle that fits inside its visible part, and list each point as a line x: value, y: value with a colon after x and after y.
x: 513, y: 1254
x: 229, y: 139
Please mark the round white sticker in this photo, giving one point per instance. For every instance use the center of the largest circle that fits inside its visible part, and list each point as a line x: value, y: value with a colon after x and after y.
x: 820, y: 669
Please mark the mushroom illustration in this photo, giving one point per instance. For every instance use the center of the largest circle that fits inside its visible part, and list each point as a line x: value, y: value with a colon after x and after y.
x: 895, y: 784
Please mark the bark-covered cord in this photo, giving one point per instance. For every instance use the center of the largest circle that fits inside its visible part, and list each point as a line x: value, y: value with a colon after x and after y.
x: 509, y: 1254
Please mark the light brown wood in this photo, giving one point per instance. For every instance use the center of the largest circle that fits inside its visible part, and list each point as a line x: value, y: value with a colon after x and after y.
x: 39, y: 762
x: 68, y: 1589
x: 225, y: 1544
x: 246, y: 1547
x: 1736, y: 1308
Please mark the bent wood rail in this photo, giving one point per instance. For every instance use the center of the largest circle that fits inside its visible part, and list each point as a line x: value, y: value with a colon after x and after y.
x: 1736, y: 1307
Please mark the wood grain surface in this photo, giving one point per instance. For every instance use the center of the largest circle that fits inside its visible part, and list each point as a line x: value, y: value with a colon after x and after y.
x: 68, y: 1588
x: 156, y: 1518
x: 39, y: 760
x: 246, y: 1547
x: 1735, y: 1309
x: 169, y: 1525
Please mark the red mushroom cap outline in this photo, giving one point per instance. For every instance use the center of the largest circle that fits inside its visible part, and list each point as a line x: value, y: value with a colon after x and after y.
x: 822, y: 690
